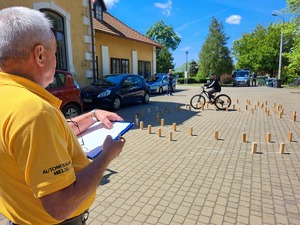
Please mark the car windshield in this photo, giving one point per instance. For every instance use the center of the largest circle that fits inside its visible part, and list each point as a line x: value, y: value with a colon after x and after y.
x: 155, y: 79
x: 109, y: 81
x: 242, y: 74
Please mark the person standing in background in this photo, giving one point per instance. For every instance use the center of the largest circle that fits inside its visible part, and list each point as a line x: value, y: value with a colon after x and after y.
x: 170, y: 82
x: 254, y: 76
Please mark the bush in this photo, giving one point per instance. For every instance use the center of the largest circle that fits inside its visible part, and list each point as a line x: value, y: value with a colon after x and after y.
x: 226, y: 79
x: 290, y: 78
x: 203, y: 80
x: 191, y: 80
x: 180, y: 80
x: 180, y: 74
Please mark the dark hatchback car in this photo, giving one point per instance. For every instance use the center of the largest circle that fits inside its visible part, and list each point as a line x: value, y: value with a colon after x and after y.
x: 112, y: 91
x: 65, y: 88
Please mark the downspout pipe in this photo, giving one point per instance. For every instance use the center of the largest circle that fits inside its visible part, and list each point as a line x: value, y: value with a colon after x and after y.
x: 93, y: 41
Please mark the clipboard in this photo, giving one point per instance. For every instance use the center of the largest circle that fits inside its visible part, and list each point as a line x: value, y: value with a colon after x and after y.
x: 93, y: 138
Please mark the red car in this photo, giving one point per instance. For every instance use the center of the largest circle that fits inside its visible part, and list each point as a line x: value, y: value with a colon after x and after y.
x: 64, y: 87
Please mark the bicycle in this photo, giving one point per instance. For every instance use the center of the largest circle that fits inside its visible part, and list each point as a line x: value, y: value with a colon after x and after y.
x: 221, y: 101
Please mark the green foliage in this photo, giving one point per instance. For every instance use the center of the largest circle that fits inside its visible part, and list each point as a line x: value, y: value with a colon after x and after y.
x: 167, y: 37
x: 290, y: 78
x: 191, y: 80
x: 293, y: 56
x: 214, y: 55
x: 294, y: 7
x: 164, y: 60
x: 203, y: 80
x: 180, y: 74
x: 202, y: 76
x: 259, y: 50
x: 164, y: 35
x: 193, y: 68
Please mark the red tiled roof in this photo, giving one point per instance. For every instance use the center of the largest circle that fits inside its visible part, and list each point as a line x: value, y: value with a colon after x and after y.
x: 113, y: 26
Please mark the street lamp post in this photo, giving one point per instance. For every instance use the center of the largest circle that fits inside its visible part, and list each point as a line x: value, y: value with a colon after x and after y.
x: 186, y: 68
x: 280, y: 53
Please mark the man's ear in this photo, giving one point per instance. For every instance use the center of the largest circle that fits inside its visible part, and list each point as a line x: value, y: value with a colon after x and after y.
x: 39, y: 54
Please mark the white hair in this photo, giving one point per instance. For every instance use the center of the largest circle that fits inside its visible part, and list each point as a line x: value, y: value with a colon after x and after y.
x: 21, y: 29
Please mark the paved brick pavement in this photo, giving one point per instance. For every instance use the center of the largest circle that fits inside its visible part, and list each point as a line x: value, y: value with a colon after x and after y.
x: 197, y: 179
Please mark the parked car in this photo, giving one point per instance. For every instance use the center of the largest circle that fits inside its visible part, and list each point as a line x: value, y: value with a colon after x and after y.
x: 64, y: 87
x: 241, y: 77
x: 112, y: 91
x: 159, y: 83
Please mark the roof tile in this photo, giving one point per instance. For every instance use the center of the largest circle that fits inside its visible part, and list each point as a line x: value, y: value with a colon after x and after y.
x: 113, y: 26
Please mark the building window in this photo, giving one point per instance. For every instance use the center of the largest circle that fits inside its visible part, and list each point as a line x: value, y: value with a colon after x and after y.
x: 97, y: 12
x: 119, y: 66
x: 144, y: 69
x: 59, y: 32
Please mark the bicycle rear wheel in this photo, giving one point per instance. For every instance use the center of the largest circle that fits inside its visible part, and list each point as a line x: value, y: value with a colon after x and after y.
x: 197, y: 101
x: 222, y: 101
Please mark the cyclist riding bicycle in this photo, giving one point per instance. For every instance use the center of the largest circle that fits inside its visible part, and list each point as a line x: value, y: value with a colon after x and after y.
x: 214, y: 87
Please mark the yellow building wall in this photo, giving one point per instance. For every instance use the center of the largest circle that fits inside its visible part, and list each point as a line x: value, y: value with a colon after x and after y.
x: 122, y: 48
x: 78, y: 39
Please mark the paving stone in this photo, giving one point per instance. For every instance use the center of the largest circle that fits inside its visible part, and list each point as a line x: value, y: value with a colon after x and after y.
x: 197, y: 179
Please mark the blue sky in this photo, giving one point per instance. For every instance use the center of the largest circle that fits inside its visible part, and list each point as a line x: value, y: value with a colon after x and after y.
x: 191, y: 19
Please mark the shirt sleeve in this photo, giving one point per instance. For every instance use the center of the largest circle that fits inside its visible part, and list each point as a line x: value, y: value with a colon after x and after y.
x: 211, y: 84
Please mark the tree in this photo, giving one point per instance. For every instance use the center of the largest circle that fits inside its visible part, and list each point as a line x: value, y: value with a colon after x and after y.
x: 293, y: 7
x: 164, y: 60
x: 215, y: 55
x: 166, y: 36
x: 193, y: 69
x: 252, y: 51
x: 259, y: 50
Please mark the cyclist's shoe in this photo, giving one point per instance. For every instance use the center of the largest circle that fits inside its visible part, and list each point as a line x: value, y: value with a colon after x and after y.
x: 210, y: 102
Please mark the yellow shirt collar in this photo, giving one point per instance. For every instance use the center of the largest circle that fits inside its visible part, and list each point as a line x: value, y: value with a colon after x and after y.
x: 18, y: 81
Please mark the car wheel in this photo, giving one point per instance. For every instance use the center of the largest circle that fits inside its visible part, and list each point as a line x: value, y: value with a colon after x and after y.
x: 160, y: 90
x: 146, y: 98
x: 71, y: 110
x: 116, y: 104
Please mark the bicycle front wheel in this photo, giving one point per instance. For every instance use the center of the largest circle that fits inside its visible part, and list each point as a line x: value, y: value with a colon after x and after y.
x: 197, y: 101
x: 222, y: 101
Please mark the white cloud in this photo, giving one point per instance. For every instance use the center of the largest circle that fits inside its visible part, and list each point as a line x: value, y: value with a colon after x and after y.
x: 186, y: 48
x: 234, y: 19
x: 110, y: 3
x: 166, y: 8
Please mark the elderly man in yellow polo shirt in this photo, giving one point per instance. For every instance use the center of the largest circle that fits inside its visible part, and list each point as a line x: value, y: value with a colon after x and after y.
x: 35, y: 140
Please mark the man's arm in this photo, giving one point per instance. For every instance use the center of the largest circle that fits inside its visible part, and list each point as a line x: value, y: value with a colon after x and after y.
x: 61, y: 204
x: 88, y: 178
x: 84, y: 121
x: 211, y: 84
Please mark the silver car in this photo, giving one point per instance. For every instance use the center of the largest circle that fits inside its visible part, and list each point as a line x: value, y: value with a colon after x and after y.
x: 159, y: 83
